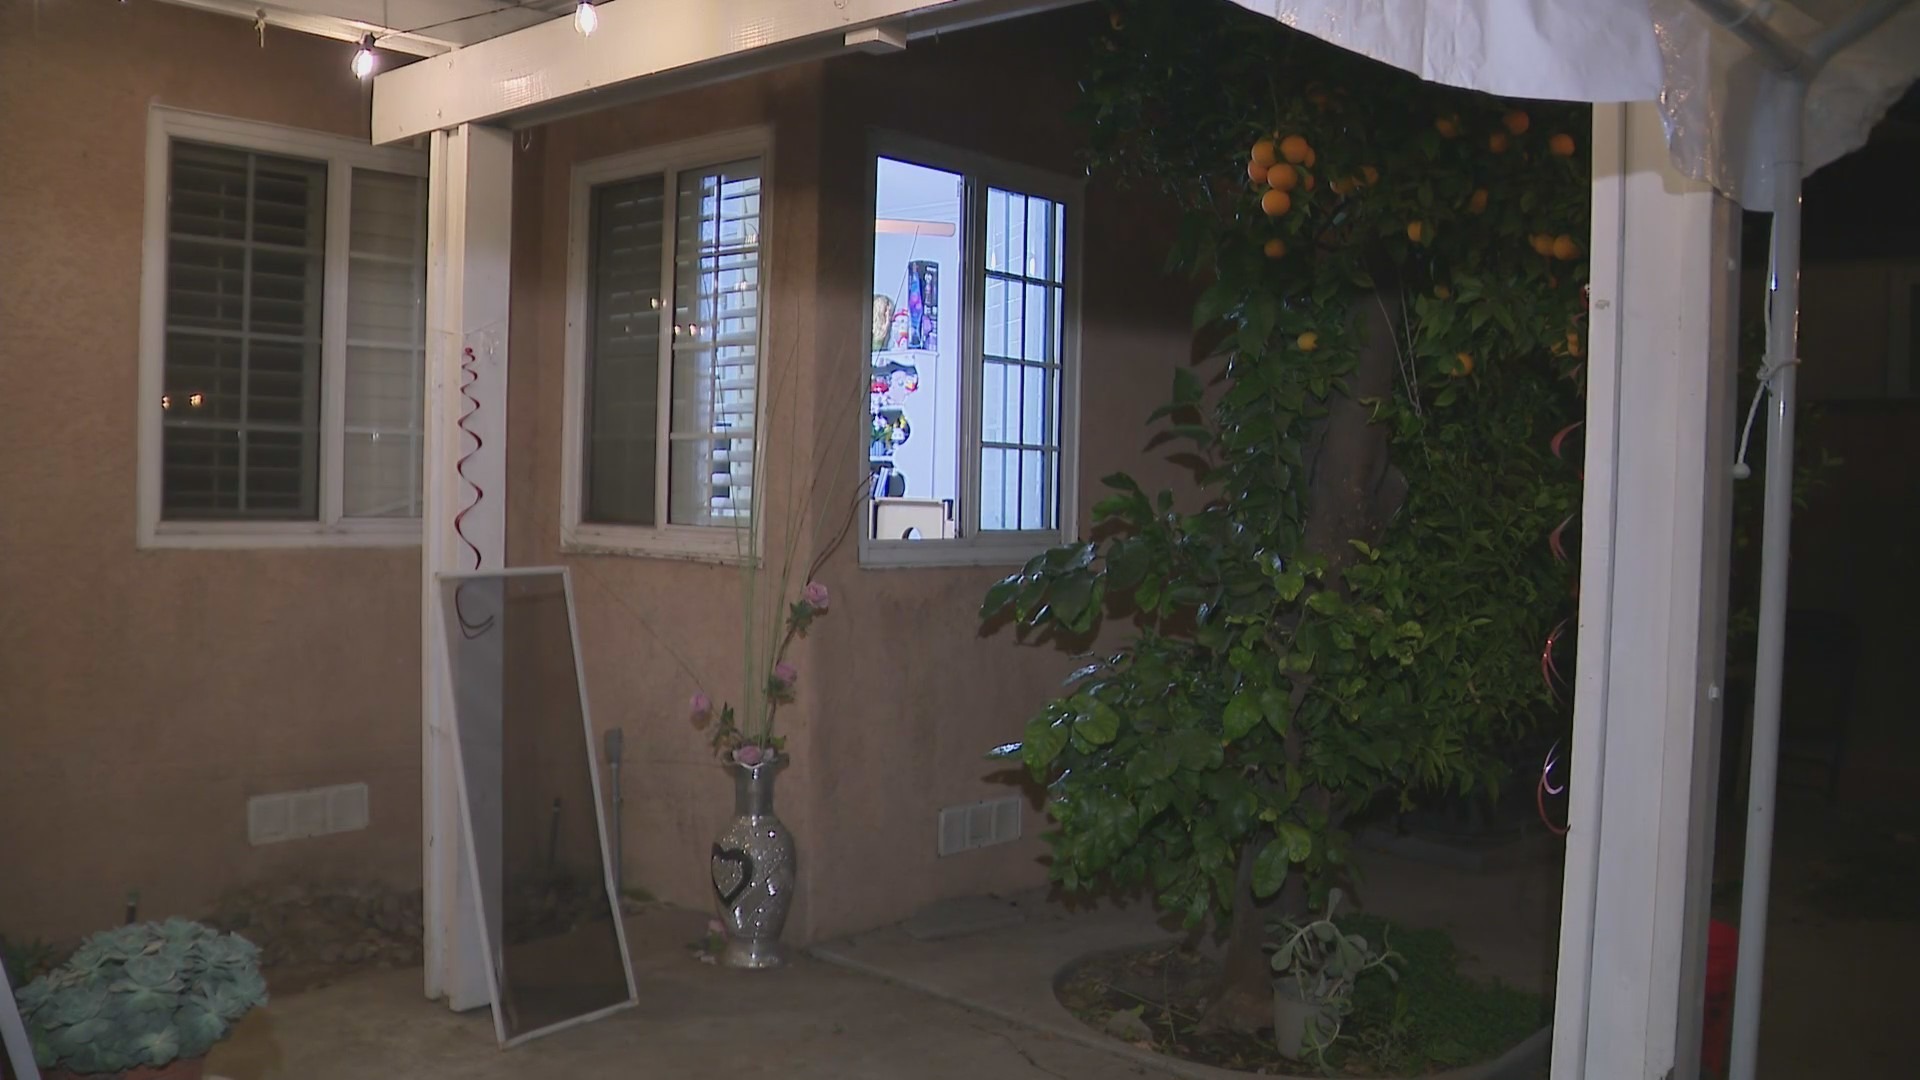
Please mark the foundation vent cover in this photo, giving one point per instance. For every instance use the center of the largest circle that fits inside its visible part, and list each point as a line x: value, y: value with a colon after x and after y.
x: 978, y: 825
x: 294, y: 815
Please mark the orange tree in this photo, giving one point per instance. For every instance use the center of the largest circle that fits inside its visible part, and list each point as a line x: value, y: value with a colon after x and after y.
x: 1354, y: 610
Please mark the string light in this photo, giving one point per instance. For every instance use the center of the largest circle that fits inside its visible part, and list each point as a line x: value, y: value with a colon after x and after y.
x: 363, y: 59
x: 585, y: 18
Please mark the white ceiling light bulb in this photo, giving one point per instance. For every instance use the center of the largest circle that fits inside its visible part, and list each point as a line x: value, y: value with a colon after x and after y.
x: 363, y: 59
x: 585, y: 19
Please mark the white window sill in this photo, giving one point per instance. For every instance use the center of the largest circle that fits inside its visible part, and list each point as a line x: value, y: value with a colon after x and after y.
x: 719, y: 546
x: 906, y: 554
x: 231, y: 536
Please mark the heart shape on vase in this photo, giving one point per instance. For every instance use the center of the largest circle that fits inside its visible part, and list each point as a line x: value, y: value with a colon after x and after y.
x: 732, y: 873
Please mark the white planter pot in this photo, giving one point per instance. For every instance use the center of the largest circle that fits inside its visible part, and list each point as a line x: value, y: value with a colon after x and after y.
x: 1292, y: 1013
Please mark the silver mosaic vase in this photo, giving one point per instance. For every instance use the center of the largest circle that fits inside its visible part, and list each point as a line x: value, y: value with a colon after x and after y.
x: 753, y: 870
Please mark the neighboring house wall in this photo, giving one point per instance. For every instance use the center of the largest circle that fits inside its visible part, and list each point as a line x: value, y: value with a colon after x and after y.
x: 900, y: 693
x: 145, y: 695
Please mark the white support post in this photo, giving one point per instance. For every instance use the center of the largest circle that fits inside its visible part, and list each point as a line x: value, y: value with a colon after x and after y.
x: 1655, y: 529
x: 464, y: 518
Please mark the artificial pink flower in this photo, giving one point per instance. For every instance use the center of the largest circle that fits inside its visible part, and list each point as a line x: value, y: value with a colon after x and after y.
x: 785, y: 673
x: 747, y: 755
x: 815, y: 594
x: 700, y: 705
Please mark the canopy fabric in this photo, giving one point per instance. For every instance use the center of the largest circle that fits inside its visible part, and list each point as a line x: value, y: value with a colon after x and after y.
x: 1711, y: 86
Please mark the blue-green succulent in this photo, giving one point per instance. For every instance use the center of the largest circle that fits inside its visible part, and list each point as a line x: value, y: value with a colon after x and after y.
x: 144, y: 994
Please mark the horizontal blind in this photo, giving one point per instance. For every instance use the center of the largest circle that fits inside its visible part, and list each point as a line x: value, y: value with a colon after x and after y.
x: 386, y: 345
x: 240, y: 393
x: 626, y: 260
x: 716, y: 344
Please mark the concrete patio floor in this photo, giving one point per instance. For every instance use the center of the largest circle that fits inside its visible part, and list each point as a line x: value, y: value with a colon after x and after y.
x: 888, y: 1005
x: 809, y: 1020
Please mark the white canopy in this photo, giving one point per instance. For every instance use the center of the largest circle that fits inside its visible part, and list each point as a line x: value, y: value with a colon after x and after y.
x: 1710, y: 84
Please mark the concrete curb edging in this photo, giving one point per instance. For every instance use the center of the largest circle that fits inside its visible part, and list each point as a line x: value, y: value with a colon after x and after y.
x: 1515, y: 1064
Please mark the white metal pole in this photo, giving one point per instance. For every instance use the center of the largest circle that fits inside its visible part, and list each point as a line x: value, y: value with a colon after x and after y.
x: 1783, y: 338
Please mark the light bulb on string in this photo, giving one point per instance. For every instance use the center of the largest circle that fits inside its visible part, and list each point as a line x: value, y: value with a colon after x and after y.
x: 363, y: 58
x: 585, y: 18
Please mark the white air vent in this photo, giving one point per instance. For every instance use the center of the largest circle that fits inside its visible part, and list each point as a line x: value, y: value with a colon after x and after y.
x: 977, y: 825
x: 292, y: 815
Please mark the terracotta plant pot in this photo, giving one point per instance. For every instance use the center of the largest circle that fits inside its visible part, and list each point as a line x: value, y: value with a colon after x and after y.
x: 178, y: 1069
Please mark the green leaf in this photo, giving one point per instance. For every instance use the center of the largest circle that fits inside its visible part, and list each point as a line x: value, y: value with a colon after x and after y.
x: 1270, y: 869
x: 1298, y: 841
x: 1289, y: 585
x: 1044, y: 742
x: 1187, y: 390
x: 1099, y: 725
x: 1241, y: 714
x: 1000, y: 595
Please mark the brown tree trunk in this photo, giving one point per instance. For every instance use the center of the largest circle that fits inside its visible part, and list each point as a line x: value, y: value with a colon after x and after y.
x: 1353, y: 491
x: 1244, y: 999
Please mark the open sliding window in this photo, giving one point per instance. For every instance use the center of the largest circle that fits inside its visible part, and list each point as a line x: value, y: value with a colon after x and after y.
x: 663, y: 357
x: 283, y: 337
x: 971, y: 360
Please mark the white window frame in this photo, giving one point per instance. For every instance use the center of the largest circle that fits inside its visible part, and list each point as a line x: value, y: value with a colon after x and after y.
x: 701, y: 543
x: 979, y: 171
x: 341, y: 155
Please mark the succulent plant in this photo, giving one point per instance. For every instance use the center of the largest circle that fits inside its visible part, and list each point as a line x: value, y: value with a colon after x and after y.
x: 144, y: 994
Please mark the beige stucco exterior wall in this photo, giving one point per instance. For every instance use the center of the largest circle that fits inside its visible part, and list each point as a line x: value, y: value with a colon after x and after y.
x: 144, y: 695
x: 900, y: 695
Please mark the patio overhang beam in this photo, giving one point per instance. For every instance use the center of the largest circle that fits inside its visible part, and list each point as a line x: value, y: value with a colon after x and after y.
x: 390, y: 38
x: 647, y: 47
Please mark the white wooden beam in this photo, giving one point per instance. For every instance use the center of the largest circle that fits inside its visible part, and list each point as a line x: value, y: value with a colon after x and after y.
x: 551, y: 67
x: 463, y: 526
x: 1654, y: 539
x: 337, y: 27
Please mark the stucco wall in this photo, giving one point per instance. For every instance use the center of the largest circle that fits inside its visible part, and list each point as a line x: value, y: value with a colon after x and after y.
x: 144, y: 695
x: 900, y: 695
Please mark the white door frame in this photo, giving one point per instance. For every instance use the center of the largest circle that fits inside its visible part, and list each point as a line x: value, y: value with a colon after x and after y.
x: 1655, y: 526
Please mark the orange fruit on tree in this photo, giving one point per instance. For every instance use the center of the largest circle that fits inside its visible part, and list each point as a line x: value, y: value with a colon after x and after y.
x: 1282, y: 176
x: 1565, y: 249
x: 1370, y: 174
x: 1561, y: 144
x: 1497, y: 142
x: 1344, y: 186
x: 1418, y: 232
x: 1275, y: 202
x: 1447, y: 126
x: 1462, y: 364
x: 1477, y: 202
x: 1308, y: 341
x: 1295, y: 149
x: 1517, y: 122
x: 1308, y: 182
x: 1275, y: 248
x: 1312, y: 158
x: 1542, y: 243
x: 1263, y: 152
x: 1573, y: 343
x: 1443, y: 292
x: 1256, y: 172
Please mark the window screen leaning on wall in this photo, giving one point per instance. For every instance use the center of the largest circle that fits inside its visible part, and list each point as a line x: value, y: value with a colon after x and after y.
x: 969, y: 389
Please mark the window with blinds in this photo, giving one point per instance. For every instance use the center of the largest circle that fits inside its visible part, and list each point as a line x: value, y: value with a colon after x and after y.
x: 241, y: 400
x: 672, y: 348
x: 253, y: 298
